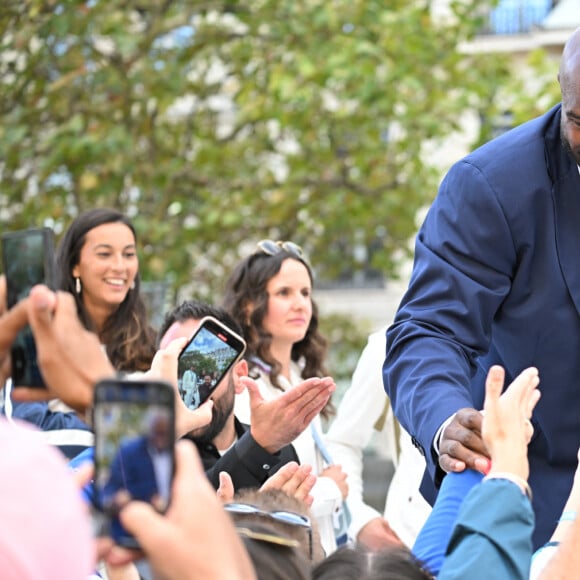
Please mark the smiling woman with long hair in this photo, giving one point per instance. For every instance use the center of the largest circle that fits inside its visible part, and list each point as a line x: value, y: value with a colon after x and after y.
x: 269, y: 293
x: 97, y: 263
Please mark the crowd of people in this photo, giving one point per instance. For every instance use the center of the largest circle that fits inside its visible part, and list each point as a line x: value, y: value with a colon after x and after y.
x: 487, y: 481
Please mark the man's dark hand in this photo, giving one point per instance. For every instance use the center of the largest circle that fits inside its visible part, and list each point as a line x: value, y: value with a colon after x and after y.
x: 461, y: 445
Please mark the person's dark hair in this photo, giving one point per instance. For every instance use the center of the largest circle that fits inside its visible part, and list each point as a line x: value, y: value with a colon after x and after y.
x: 246, y: 299
x: 127, y: 335
x: 357, y: 563
x: 196, y: 310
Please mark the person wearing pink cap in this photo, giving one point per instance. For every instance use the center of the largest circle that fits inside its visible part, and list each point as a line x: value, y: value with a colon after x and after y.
x: 46, y: 530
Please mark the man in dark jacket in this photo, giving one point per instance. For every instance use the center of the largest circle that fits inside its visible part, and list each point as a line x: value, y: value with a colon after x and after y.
x: 250, y: 454
x: 496, y: 280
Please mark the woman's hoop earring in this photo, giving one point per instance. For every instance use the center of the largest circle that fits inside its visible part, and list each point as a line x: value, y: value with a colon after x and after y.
x: 78, y: 286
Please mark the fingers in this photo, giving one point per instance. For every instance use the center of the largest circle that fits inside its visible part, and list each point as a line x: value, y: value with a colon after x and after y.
x: 164, y: 364
x: 137, y: 517
x: 188, y: 468
x: 116, y: 556
x: 522, y: 387
x: 189, y: 420
x: 315, y: 405
x: 30, y: 395
x: 3, y: 294
x: 253, y: 390
x: 309, y: 389
x: 494, y: 384
x: 309, y: 397
x: 11, y: 323
x: 103, y: 547
x: 42, y: 304
x: 507, y: 428
x: 301, y: 484
x: 461, y: 445
x: 140, y: 519
x: 521, y: 394
x: 294, y: 480
x: 533, y: 401
x: 226, y: 490
x: 281, y: 477
x: 450, y: 464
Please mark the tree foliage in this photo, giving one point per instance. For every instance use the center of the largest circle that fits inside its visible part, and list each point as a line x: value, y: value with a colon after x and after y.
x: 215, y: 124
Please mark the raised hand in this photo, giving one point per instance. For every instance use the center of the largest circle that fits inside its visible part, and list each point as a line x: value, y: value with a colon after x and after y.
x: 70, y: 357
x: 294, y: 480
x: 506, y: 420
x: 277, y: 422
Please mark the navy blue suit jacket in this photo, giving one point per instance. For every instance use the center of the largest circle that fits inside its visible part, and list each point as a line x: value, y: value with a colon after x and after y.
x: 496, y: 280
x: 132, y: 469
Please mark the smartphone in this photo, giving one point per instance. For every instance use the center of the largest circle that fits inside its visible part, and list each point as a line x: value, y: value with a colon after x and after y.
x: 28, y: 259
x: 134, y: 425
x: 205, y: 359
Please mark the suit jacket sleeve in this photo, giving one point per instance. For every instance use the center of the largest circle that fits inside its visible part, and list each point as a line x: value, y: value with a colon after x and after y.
x: 464, y: 259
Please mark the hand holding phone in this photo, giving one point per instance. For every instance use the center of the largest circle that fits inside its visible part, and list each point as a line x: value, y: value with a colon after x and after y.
x: 134, y: 423
x: 28, y: 260
x: 205, y: 360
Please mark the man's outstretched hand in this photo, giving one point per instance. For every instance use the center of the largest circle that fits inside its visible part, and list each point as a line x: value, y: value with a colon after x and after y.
x: 461, y: 446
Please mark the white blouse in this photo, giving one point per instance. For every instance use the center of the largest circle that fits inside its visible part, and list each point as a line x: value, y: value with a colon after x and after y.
x: 326, y: 493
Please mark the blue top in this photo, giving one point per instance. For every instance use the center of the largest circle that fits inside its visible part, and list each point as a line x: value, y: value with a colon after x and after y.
x: 492, y: 537
x: 431, y: 542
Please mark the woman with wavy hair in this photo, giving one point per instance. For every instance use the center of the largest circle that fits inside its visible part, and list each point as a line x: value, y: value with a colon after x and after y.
x: 269, y: 293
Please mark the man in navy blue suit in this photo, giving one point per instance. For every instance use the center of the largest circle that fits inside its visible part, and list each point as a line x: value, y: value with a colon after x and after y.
x: 496, y: 280
x: 142, y: 467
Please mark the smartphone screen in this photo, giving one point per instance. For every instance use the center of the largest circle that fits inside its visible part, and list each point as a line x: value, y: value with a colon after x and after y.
x: 134, y: 424
x: 28, y: 259
x: 205, y: 359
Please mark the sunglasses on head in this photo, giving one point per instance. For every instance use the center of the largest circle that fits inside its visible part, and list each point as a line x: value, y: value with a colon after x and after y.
x: 290, y: 518
x: 271, y: 248
x: 268, y: 537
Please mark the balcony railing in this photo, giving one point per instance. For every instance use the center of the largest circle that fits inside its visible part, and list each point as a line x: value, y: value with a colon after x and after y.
x: 517, y: 16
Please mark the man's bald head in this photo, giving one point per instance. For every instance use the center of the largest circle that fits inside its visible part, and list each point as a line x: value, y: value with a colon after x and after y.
x: 569, y: 79
x: 569, y: 74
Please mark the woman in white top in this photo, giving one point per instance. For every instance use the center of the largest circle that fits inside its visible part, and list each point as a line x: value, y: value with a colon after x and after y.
x: 270, y: 295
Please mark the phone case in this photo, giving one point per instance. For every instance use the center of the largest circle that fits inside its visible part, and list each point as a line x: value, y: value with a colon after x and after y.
x: 134, y: 424
x: 28, y: 259
x: 206, y: 359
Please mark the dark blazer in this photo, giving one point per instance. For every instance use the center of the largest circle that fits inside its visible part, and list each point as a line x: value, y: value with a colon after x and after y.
x: 248, y: 464
x: 496, y: 280
x: 132, y: 469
